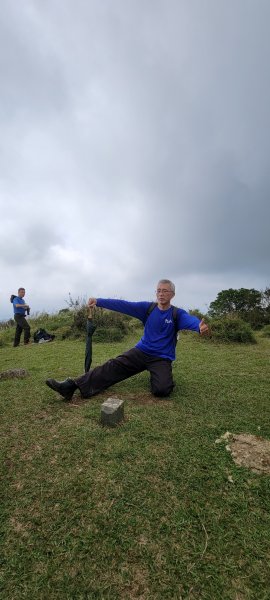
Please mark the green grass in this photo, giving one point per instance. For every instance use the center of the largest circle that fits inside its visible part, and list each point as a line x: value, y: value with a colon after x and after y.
x: 144, y: 510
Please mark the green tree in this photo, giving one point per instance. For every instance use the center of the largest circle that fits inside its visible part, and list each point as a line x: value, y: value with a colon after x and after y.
x: 249, y: 304
x: 266, y: 302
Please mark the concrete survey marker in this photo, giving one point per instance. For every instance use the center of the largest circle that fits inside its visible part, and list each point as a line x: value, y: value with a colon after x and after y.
x: 112, y: 412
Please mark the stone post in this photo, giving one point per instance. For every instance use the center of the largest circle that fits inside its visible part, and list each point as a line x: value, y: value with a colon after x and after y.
x: 112, y: 412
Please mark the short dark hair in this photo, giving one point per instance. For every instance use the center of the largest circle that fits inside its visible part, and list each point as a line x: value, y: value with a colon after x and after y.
x: 21, y: 289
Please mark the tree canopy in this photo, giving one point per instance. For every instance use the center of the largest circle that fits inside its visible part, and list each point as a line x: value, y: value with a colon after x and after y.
x: 251, y: 305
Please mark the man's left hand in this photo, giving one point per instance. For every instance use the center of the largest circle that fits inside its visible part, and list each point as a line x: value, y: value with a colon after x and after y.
x: 204, y: 329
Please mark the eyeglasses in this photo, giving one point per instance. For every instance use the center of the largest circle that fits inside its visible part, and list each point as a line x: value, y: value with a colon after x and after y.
x: 163, y: 291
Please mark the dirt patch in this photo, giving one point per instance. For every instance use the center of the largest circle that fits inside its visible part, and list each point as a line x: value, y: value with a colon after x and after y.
x: 18, y: 527
x: 145, y: 398
x: 248, y: 451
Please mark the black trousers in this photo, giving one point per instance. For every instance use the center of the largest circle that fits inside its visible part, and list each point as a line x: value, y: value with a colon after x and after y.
x: 22, y: 325
x: 130, y: 363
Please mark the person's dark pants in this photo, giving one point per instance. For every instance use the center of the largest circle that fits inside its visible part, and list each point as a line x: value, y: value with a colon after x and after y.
x: 130, y: 363
x: 22, y: 325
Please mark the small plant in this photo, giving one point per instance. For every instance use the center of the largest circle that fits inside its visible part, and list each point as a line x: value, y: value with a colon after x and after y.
x: 76, y: 303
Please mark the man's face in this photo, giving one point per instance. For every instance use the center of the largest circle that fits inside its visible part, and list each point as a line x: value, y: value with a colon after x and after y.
x: 21, y: 293
x: 164, y: 294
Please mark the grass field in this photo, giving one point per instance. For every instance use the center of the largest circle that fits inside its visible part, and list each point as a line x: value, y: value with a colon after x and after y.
x: 150, y: 510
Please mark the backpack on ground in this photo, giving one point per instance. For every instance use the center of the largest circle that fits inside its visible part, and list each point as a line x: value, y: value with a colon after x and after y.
x: 41, y: 335
x: 175, y: 309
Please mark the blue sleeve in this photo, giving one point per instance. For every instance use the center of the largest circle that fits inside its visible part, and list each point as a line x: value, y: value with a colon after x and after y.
x: 133, y: 309
x: 186, y: 321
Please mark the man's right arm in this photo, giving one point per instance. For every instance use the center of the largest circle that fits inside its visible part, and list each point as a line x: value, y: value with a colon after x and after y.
x: 26, y: 306
x: 17, y: 304
x: 132, y: 309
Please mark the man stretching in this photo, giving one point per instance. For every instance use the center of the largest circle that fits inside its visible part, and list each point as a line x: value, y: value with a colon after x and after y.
x: 154, y: 352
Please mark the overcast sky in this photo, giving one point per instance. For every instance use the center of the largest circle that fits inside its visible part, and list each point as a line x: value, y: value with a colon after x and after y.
x: 134, y: 146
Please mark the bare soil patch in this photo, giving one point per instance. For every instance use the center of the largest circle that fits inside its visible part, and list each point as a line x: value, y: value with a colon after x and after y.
x: 145, y: 398
x: 249, y: 451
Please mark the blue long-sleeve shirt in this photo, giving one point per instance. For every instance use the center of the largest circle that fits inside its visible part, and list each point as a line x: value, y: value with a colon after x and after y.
x: 159, y: 328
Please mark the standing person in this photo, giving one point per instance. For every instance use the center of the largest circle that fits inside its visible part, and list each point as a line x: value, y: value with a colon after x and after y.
x: 20, y: 308
x: 154, y: 352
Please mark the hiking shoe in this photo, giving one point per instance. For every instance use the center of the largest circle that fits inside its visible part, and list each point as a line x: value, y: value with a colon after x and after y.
x: 64, y: 388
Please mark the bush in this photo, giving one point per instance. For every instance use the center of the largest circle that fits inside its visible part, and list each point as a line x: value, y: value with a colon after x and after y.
x: 266, y: 331
x: 71, y: 324
x: 62, y: 333
x: 195, y: 312
x: 112, y: 334
x: 232, y: 329
x: 111, y: 326
x: 4, y: 325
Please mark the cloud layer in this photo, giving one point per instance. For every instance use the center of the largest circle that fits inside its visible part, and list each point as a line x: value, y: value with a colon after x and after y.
x: 134, y: 145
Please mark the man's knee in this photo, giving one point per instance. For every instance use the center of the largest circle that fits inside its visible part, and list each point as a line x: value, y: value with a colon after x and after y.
x: 162, y: 390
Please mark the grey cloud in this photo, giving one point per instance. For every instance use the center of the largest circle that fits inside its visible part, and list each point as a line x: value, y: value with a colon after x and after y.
x: 28, y: 244
x: 32, y: 82
x: 138, y: 142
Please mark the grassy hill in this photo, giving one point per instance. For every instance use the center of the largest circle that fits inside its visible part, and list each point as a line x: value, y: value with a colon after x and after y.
x: 153, y: 509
